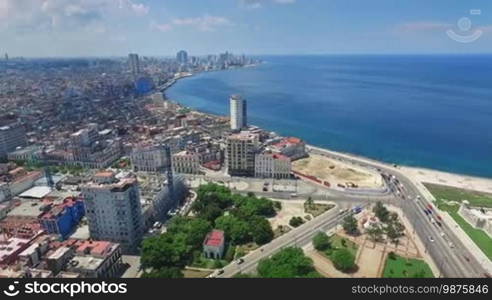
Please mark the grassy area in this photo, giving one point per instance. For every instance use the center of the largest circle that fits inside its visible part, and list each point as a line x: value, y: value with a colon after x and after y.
x: 195, y: 274
x: 201, y: 262
x: 317, y: 209
x: 446, y: 194
x: 401, y: 267
x: 337, y: 242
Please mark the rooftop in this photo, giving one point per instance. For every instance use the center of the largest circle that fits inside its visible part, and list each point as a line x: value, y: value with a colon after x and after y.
x: 214, y: 238
x: 37, y: 192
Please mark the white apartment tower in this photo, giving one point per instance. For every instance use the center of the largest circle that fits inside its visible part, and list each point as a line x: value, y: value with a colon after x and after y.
x: 239, y: 119
x: 113, y: 210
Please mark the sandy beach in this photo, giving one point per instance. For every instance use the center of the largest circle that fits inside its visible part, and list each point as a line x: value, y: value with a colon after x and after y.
x: 450, y: 179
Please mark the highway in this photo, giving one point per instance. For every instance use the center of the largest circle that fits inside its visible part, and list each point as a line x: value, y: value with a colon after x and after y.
x: 448, y: 252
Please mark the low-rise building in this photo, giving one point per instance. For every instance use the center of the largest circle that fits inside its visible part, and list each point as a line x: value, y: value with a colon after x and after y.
x: 96, y: 259
x: 214, y: 244
x: 292, y: 147
x: 63, y: 218
x: 270, y: 165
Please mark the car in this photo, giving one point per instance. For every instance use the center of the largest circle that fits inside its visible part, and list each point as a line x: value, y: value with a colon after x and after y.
x: 451, y: 245
x: 431, y: 239
x: 240, y: 261
x: 439, y: 223
x: 220, y: 272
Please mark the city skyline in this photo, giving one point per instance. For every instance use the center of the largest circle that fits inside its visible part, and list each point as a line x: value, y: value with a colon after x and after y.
x: 62, y: 28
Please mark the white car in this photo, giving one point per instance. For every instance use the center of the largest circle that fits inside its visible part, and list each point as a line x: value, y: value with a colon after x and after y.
x: 431, y: 239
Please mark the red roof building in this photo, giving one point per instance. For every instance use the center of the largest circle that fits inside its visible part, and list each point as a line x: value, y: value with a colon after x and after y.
x: 213, y: 245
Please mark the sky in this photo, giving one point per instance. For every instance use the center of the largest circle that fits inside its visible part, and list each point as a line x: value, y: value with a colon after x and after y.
x: 51, y: 28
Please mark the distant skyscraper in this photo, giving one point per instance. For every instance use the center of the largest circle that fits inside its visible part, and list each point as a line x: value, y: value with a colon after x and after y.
x: 239, y: 113
x: 6, y: 56
x: 134, y: 63
x: 182, y: 57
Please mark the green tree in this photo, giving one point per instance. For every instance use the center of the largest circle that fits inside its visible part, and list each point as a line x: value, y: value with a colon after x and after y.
x: 261, y: 230
x: 343, y: 260
x: 321, y: 241
x: 381, y: 212
x: 350, y: 225
x: 296, y: 221
x: 287, y: 263
x: 235, y: 229
x: 375, y: 233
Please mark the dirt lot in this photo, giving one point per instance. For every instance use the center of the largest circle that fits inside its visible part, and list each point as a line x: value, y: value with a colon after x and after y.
x: 336, y: 172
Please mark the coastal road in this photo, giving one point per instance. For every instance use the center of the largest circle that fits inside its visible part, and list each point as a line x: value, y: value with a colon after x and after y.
x: 448, y: 252
x: 297, y: 237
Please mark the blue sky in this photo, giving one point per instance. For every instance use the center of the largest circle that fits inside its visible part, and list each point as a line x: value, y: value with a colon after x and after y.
x: 162, y: 27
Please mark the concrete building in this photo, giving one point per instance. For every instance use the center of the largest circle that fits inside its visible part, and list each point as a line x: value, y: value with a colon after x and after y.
x: 134, y: 63
x: 97, y: 259
x: 185, y: 162
x: 28, y: 153
x: 270, y: 165
x: 240, y: 153
x: 12, y: 135
x: 239, y: 118
x: 150, y: 159
x: 214, y: 244
x: 113, y: 210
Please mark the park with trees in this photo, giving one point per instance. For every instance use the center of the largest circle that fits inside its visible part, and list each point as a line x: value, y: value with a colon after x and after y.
x: 243, y: 218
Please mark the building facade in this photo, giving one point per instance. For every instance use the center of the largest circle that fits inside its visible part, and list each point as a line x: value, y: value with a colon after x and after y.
x: 239, y: 118
x: 114, y: 211
x: 63, y: 218
x: 185, y: 162
x: 12, y: 136
x: 240, y: 153
x: 269, y: 165
x: 150, y: 159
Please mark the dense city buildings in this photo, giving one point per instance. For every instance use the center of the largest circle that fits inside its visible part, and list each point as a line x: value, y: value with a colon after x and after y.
x: 239, y: 112
x: 113, y: 210
x: 240, y: 153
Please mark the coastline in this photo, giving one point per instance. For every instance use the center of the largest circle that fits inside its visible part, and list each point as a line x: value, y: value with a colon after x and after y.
x: 419, y: 174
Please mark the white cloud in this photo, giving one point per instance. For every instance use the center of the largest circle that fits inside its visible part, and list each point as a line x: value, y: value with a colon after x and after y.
x: 203, y: 23
x: 252, y: 4
x: 35, y: 15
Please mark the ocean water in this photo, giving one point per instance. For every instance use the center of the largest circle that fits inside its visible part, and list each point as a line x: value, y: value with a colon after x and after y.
x: 427, y: 111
